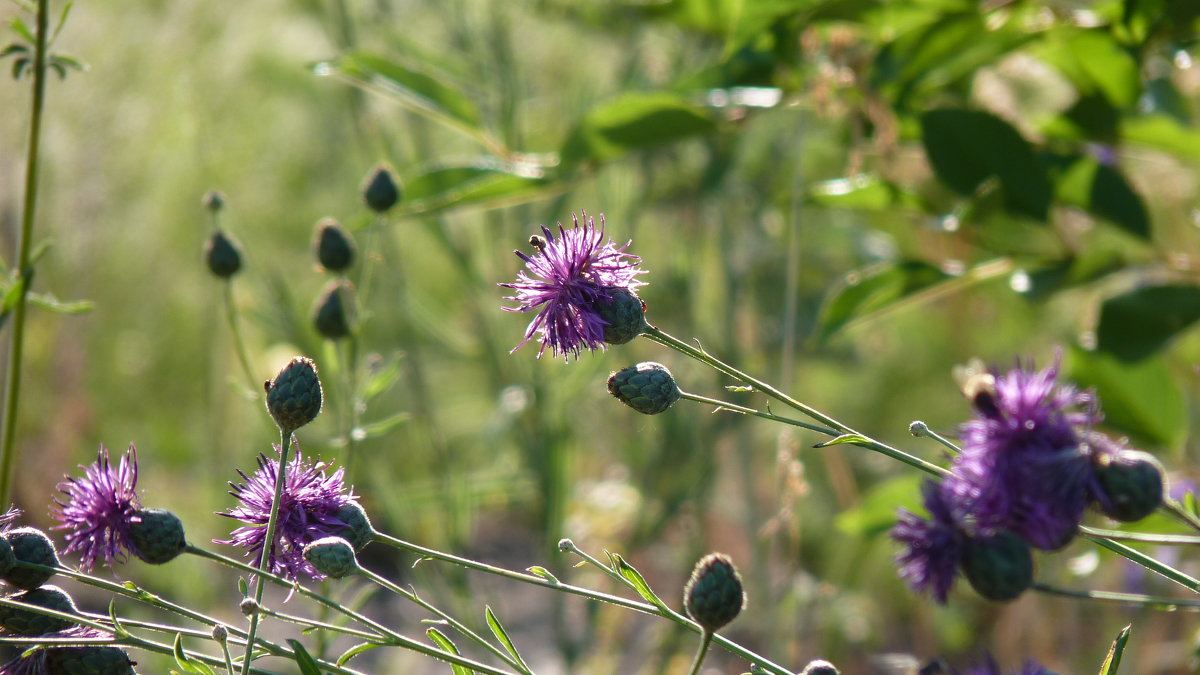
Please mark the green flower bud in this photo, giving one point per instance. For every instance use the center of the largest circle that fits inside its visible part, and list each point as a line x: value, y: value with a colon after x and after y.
x: 713, y: 595
x: 624, y: 314
x: 647, y: 387
x: 332, y: 556
x: 88, y: 661
x: 294, y: 396
x: 222, y: 254
x: 334, y: 247
x: 157, y: 535
x: 213, y: 200
x: 28, y: 622
x: 332, y: 316
x: 381, y: 191
x: 1131, y: 483
x: 358, y: 530
x: 999, y: 567
x: 30, y: 545
x: 819, y: 667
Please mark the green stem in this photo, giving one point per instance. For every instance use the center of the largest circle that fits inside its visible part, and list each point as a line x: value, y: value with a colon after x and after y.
x: 1174, y: 508
x: 235, y: 331
x: 412, y: 596
x: 1124, y: 598
x: 264, y: 559
x: 733, y: 407
x: 1165, y: 539
x: 706, y: 637
x: 1150, y: 563
x: 12, y: 384
x: 926, y: 431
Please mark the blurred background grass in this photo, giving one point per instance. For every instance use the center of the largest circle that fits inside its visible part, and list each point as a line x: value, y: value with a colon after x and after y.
x: 501, y: 455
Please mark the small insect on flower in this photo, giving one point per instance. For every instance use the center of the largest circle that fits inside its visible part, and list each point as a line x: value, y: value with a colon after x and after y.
x: 580, y: 284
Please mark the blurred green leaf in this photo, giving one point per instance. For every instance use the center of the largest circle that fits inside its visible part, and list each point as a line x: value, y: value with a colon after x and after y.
x: 633, y: 121
x: 1090, y: 264
x: 870, y: 290
x: 380, y: 427
x: 486, y: 183
x: 502, y: 635
x: 843, y: 439
x: 1103, y: 191
x: 21, y: 29
x: 966, y: 147
x: 1113, y: 661
x: 1141, y: 399
x: 447, y: 646
x: 420, y: 91
x: 1095, y: 63
x: 308, y: 666
x: 862, y: 191
x: 1164, y: 133
x: 876, y: 512
x: 1136, y: 324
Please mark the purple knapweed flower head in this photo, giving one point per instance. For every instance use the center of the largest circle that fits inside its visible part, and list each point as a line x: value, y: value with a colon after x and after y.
x: 97, y: 509
x: 95, y: 654
x: 933, y: 548
x: 1024, y: 466
x: 565, y: 279
x: 311, y: 496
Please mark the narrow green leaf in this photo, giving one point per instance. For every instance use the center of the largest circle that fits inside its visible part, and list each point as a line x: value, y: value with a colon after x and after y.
x: 187, y: 663
x: 69, y: 62
x: 308, y: 665
x: 47, y: 301
x: 633, y: 121
x: 355, y: 651
x: 19, y: 26
x: 62, y: 21
x: 542, y: 572
x: 639, y: 582
x: 869, y: 291
x: 382, y: 378
x: 1136, y: 324
x: 447, y: 646
x: 498, y: 630
x: 1113, y: 660
x: 379, y: 427
x: 413, y: 88
x: 13, y: 48
x: 844, y: 438
x: 1141, y: 399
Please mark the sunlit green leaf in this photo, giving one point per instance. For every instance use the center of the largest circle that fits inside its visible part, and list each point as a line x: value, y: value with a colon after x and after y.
x: 355, y: 651
x: 447, y: 646
x: 187, y: 663
x: 308, y: 666
x: 1141, y: 399
x: 1113, y: 660
x: 1136, y: 324
x: 543, y: 573
x: 868, y: 291
x: 637, y: 580
x: 634, y: 121
x: 502, y: 635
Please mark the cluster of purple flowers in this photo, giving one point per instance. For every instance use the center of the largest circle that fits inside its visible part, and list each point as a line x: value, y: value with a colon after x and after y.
x: 1030, y: 466
x: 568, y: 277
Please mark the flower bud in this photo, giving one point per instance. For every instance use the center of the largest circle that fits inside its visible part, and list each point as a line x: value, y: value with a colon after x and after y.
x: 1131, y: 485
x: 7, y: 557
x: 220, y: 633
x: 213, y: 200
x: 157, y: 535
x: 999, y: 567
x: 222, y: 254
x: 294, y: 396
x: 380, y: 191
x: 249, y: 607
x: 332, y: 316
x: 358, y: 530
x: 819, y: 667
x: 647, y: 387
x: 88, y: 660
x: 30, y: 545
x: 29, y: 622
x: 624, y: 315
x: 713, y: 595
x: 332, y: 556
x: 334, y: 247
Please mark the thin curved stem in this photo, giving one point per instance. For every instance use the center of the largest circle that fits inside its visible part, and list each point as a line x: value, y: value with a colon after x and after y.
x: 235, y: 332
x: 1157, y: 602
x: 1154, y: 565
x: 706, y: 638
x: 12, y: 383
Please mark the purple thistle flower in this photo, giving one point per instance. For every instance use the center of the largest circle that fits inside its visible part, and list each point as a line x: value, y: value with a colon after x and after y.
x: 567, y: 275
x: 933, y: 548
x: 306, y: 512
x: 98, y: 508
x: 1024, y: 466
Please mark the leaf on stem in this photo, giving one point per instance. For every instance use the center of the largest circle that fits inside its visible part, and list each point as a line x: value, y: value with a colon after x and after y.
x: 447, y: 646
x: 844, y: 438
x: 187, y: 663
x: 542, y: 572
x: 355, y: 651
x: 1113, y: 660
x: 502, y: 635
x: 636, y: 579
x: 308, y: 665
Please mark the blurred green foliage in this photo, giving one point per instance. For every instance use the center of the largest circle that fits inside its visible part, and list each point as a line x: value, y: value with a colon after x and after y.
x: 845, y: 197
